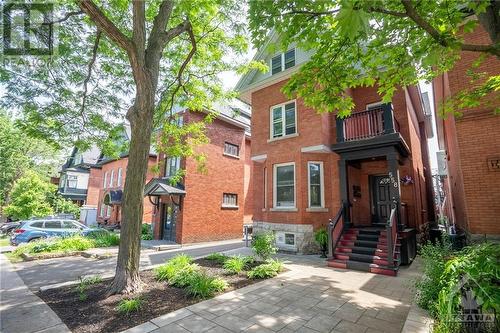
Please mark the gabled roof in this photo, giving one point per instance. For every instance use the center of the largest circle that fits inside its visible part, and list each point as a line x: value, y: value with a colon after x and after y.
x: 82, y: 160
x: 162, y: 186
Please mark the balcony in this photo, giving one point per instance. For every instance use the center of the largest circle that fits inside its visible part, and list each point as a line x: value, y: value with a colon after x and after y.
x: 373, y: 128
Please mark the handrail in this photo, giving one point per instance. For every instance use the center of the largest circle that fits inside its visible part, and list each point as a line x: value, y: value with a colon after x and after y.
x: 392, y: 236
x: 332, y: 227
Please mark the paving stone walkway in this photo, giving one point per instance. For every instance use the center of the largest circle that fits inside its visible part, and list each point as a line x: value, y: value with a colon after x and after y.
x: 309, y: 298
x: 20, y: 310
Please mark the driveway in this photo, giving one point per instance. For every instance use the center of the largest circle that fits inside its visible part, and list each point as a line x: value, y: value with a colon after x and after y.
x: 309, y: 298
x: 36, y: 274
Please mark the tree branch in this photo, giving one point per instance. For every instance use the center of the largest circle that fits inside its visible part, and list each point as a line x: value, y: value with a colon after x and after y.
x: 386, y: 11
x: 65, y: 17
x: 89, y: 74
x: 139, y: 27
x: 105, y: 25
x: 160, y: 23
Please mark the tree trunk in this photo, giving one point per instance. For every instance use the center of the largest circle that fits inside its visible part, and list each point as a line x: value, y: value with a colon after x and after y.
x: 140, y: 116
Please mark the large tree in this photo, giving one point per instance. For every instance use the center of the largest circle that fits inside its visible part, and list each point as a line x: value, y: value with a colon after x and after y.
x: 389, y: 42
x: 119, y: 58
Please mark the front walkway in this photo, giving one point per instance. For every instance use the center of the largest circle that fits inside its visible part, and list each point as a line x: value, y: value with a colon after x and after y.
x: 309, y: 298
x: 20, y: 310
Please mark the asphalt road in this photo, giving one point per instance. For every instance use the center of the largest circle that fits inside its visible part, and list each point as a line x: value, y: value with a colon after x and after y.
x: 36, y: 274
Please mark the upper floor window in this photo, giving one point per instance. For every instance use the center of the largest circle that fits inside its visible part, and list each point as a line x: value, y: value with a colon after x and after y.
x: 282, y: 61
x: 105, y: 182
x: 315, y: 178
x: 284, y: 185
x: 71, y: 181
x: 112, y: 178
x: 230, y: 149
x: 229, y: 200
x: 283, y: 120
x: 172, y: 165
x: 119, y: 178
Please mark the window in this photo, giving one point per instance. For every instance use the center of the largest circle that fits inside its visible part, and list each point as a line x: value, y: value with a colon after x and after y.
x: 119, y: 178
x: 52, y: 224
x: 112, y: 178
x: 229, y: 200
x: 315, y: 177
x: 108, y: 211
x: 102, y: 211
x: 283, y: 61
x: 69, y: 225
x: 172, y: 165
x: 230, y: 149
x: 71, y: 181
x: 283, y: 119
x: 104, y: 184
x: 284, y: 185
x: 37, y: 224
x: 290, y: 239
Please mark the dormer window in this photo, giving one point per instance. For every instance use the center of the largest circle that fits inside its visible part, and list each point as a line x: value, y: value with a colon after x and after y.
x: 283, y: 61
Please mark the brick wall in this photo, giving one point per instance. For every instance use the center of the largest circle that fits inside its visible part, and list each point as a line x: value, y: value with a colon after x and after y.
x: 470, y: 141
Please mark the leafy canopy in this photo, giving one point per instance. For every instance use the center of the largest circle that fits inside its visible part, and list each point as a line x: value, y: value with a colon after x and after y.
x: 384, y: 42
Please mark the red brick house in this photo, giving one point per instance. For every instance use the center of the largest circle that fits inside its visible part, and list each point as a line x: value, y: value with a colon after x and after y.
x: 310, y: 168
x: 470, y: 149
x: 210, y: 205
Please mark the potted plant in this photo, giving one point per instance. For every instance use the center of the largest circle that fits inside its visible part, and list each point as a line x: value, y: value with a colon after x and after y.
x: 321, y: 237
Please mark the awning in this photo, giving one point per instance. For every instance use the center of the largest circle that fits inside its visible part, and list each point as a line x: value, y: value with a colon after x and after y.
x: 113, y: 198
x: 161, y: 186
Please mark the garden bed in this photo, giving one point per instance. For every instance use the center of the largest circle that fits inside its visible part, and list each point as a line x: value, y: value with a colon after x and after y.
x: 96, y: 313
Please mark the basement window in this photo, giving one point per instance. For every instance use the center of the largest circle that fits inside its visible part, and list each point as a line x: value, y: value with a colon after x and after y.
x: 229, y: 200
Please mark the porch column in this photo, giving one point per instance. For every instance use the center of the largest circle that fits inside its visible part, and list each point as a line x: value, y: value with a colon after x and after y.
x: 344, y: 191
x: 395, y: 191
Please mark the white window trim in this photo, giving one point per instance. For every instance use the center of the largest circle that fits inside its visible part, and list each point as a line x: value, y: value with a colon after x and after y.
x: 223, y: 205
x: 109, y: 211
x: 119, y: 178
x: 230, y: 155
x: 105, y: 183
x: 177, y: 165
x: 321, y: 183
x: 275, y: 197
x: 283, y: 125
x: 282, y: 54
x: 265, y: 190
x: 112, y: 178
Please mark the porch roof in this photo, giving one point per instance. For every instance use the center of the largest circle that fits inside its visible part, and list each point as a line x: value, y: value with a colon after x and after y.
x: 161, y: 186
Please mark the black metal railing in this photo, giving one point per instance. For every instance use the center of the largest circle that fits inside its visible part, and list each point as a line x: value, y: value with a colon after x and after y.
x: 367, y: 124
x: 392, y: 237
x: 335, y: 228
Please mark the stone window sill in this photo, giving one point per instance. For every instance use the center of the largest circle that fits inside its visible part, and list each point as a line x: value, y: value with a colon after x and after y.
x: 229, y: 207
x: 231, y: 156
x: 284, y: 209
x: 289, y: 136
x: 317, y: 210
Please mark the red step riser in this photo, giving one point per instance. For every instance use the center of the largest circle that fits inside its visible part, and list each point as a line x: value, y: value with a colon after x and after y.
x: 337, y: 264
x: 383, y: 271
x: 381, y: 261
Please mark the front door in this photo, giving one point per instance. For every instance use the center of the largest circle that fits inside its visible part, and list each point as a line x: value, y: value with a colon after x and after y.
x: 169, y: 221
x: 382, y: 198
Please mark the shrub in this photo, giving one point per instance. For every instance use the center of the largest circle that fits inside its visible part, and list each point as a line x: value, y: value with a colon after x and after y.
x: 146, y: 232
x: 270, y: 269
x: 203, y: 285
x: 84, y: 284
x: 74, y: 243
x: 104, y: 238
x: 217, y: 257
x: 321, y: 237
x: 167, y: 271
x: 263, y: 245
x: 235, y: 265
x: 44, y: 246
x: 434, y: 260
x: 184, y: 275
x: 127, y: 306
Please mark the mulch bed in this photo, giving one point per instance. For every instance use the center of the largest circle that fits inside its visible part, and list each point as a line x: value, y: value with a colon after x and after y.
x: 99, y: 314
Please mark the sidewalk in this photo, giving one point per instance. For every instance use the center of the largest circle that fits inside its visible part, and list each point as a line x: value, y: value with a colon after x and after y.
x: 20, y: 310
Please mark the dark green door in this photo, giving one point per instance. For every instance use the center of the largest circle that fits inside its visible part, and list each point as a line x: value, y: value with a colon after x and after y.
x: 169, y: 221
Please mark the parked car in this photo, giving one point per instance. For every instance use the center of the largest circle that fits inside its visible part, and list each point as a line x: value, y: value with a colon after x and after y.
x: 8, y: 228
x: 35, y: 229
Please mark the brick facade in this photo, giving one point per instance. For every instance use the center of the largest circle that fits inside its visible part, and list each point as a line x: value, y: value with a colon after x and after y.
x: 471, y: 142
x: 315, y: 130
x: 201, y: 216
x: 97, y: 189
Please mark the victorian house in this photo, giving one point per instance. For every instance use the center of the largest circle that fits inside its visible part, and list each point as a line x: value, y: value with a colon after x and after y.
x: 363, y: 177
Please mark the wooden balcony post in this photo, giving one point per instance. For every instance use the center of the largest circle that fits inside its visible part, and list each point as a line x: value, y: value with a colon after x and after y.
x: 388, y: 118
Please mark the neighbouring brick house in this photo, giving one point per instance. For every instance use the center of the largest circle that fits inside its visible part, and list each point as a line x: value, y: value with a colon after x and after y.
x: 307, y: 167
x: 470, y: 148
x: 210, y: 205
x: 75, y: 173
x: 106, y: 182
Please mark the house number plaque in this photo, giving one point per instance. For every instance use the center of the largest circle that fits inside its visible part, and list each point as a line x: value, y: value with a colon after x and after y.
x: 494, y: 163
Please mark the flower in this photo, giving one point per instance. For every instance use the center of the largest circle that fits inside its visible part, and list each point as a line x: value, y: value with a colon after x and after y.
x: 407, y: 180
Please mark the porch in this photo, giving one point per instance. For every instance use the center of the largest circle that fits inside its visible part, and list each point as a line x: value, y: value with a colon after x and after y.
x: 364, y: 235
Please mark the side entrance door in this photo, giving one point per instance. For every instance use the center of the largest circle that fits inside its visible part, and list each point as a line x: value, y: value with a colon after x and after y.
x: 381, y: 198
x: 169, y: 221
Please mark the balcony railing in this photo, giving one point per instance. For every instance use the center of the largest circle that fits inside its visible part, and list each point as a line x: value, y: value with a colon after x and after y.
x: 367, y: 124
